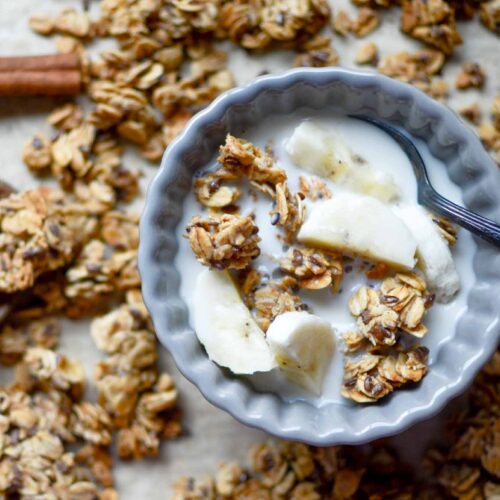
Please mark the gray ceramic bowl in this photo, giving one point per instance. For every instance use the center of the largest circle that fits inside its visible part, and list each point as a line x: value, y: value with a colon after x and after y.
x: 448, y: 138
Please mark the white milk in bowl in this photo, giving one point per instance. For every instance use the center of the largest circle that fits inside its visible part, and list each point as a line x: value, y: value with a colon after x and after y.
x: 379, y: 153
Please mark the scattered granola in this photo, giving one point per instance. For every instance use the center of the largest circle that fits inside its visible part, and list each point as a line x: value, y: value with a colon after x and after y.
x: 42, y: 416
x: 69, y: 269
x: 471, y: 75
x: 399, y: 304
x: 140, y: 401
x: 228, y: 242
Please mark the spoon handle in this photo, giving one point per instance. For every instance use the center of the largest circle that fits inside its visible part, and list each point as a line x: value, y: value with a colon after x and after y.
x: 475, y: 223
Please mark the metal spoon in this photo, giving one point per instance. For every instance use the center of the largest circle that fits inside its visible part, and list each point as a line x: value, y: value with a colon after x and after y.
x: 429, y: 197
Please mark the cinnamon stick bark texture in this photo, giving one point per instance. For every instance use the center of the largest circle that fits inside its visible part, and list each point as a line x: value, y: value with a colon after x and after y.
x: 50, y: 75
x: 32, y: 83
x: 40, y: 63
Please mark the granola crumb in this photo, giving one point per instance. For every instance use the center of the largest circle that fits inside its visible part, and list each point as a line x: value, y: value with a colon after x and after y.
x: 471, y: 75
x: 367, y: 54
x: 365, y: 23
x: 471, y: 112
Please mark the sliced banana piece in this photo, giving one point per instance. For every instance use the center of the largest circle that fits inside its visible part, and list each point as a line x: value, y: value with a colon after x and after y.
x: 303, y: 345
x: 226, y: 328
x: 323, y: 152
x: 319, y: 151
x: 433, y: 253
x: 361, y: 225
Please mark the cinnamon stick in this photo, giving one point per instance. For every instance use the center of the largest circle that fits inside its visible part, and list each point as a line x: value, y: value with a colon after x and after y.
x: 32, y: 83
x: 40, y: 63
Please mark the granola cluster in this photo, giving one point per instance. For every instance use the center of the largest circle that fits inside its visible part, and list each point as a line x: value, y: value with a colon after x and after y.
x: 466, y: 466
x: 39, y: 233
x: 433, y: 22
x: 383, y: 315
x: 373, y: 377
x: 228, y: 242
x: 313, y: 269
x: 398, y: 305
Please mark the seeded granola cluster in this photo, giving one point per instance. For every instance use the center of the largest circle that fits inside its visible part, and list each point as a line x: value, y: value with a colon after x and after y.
x: 228, y: 242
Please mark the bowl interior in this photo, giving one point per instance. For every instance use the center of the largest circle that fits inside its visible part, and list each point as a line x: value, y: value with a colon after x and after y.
x: 347, y: 92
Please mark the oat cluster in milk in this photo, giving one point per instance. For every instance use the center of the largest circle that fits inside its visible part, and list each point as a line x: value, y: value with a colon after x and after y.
x: 271, y: 239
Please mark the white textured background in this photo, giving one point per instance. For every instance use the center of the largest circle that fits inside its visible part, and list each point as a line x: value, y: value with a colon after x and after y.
x: 211, y: 436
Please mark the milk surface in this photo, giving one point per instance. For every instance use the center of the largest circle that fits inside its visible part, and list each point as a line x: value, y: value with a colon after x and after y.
x: 381, y: 152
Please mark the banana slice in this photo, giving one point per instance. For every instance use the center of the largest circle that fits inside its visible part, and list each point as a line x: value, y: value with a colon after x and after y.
x: 303, y: 345
x: 324, y: 153
x: 319, y: 151
x: 226, y: 328
x: 360, y: 225
x: 433, y: 253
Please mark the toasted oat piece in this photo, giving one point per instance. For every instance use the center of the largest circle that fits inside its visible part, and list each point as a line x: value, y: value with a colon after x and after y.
x: 228, y: 242
x: 37, y: 154
x: 366, y: 22
x: 16, y: 338
x: 447, y: 229
x: 412, y: 66
x: 471, y: 112
x: 471, y: 75
x: 367, y: 54
x: 314, y: 188
x: 341, y: 23
x: 495, y: 112
x: 288, y: 211
x: 211, y: 192
x: 490, y: 15
x: 399, y: 304
x: 373, y: 377
x: 313, y: 269
x: 317, y: 53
